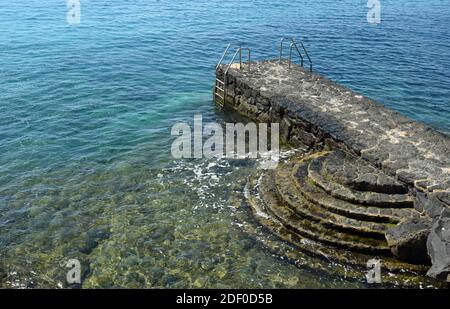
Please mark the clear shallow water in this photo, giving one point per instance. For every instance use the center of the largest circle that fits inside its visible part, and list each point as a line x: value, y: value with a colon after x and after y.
x: 86, y: 113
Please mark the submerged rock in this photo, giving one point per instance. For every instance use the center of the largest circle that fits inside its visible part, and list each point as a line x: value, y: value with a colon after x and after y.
x: 439, y: 247
x: 408, y: 240
x: 94, y: 237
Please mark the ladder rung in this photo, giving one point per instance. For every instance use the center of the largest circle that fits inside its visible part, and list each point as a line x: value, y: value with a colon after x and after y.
x: 221, y: 89
x: 218, y: 80
x: 218, y: 95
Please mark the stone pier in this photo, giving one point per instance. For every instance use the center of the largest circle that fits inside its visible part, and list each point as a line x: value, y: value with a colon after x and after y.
x: 374, y: 182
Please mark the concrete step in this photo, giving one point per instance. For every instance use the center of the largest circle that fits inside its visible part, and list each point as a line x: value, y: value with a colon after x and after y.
x: 329, y: 254
x: 357, y: 174
x: 312, y: 230
x: 359, y: 197
x: 317, y: 213
x: 318, y: 196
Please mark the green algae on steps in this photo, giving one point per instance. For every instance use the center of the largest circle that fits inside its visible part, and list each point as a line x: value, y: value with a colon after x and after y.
x: 318, y: 213
x: 361, y: 212
x: 332, y: 262
x: 315, y: 231
x: 272, y: 211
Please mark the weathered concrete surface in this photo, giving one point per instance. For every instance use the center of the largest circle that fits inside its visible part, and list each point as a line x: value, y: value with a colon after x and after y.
x: 315, y: 111
x: 358, y: 175
x: 321, y: 114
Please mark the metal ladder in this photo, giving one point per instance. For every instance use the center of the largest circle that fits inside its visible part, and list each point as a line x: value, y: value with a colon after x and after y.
x: 291, y: 47
x: 220, y: 86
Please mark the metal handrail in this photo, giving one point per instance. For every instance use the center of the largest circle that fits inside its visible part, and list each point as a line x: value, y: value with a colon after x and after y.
x: 239, y: 50
x: 294, y: 44
x: 223, y: 56
x: 290, y: 54
x: 225, y: 74
x: 281, y: 45
x: 307, y: 55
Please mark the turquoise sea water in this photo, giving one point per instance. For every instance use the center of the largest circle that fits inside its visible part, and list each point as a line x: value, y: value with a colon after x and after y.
x: 86, y: 112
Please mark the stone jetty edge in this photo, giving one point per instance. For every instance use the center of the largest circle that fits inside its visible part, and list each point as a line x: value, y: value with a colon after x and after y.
x: 316, y: 112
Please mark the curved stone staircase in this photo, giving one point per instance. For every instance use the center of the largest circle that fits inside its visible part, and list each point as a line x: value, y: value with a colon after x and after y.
x: 334, y: 206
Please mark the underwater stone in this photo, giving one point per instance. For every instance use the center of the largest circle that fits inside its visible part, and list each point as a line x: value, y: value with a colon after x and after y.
x: 94, y: 237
